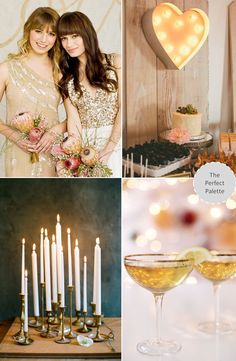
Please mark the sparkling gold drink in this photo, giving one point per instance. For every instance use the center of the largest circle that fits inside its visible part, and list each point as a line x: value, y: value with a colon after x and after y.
x: 217, y: 271
x: 158, y: 273
x: 160, y: 278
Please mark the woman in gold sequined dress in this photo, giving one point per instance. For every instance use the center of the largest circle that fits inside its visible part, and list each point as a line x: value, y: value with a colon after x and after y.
x: 28, y: 81
x: 90, y: 89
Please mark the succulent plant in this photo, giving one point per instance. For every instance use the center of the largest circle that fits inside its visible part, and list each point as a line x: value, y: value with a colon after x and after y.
x: 189, y: 109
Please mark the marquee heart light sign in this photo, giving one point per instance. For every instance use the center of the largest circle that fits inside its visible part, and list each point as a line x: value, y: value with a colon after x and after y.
x: 175, y: 36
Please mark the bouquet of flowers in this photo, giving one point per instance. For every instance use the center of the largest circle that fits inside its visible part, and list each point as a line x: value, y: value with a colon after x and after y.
x: 31, y: 127
x: 74, y: 160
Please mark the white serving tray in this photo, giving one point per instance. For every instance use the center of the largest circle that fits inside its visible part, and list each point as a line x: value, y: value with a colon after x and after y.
x: 159, y: 171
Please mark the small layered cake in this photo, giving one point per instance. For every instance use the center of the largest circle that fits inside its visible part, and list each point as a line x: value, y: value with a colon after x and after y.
x: 188, y: 118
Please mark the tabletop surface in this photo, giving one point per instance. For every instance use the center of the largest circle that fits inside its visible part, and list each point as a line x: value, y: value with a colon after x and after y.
x: 48, y: 349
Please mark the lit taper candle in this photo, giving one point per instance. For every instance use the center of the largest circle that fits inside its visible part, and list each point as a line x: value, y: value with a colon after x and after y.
x: 85, y: 285
x: 54, y: 269
x: 59, y: 245
x: 69, y: 258
x: 35, y: 281
x: 62, y: 279
x: 98, y: 277
x: 47, y: 272
x: 41, y: 256
x: 26, y: 301
x: 77, y: 276
x: 22, y: 265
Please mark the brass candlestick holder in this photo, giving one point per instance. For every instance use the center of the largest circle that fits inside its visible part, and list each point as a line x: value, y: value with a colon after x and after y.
x: 58, y: 329
x: 84, y: 328
x: 63, y: 339
x: 71, y: 333
x: 42, y: 328
x: 55, y: 320
x: 92, y: 322
x: 99, y: 337
x: 20, y: 334
x: 26, y: 340
x: 77, y: 322
x: 35, y: 322
x: 49, y: 333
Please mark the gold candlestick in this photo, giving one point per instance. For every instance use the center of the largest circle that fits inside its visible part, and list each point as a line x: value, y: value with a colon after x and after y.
x: 49, y: 333
x: 26, y: 340
x: 92, y: 322
x: 42, y: 328
x: 71, y: 333
x: 58, y: 329
x: 77, y: 322
x: 35, y: 322
x: 63, y: 339
x: 99, y: 337
x: 55, y: 320
x: 84, y: 328
x: 20, y: 334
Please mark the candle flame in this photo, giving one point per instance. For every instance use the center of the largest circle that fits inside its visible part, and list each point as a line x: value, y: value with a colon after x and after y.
x: 53, y: 238
x: 97, y: 240
x: 76, y: 243
x: 42, y: 230
x: 26, y: 273
x: 46, y: 232
x: 68, y: 230
x: 85, y: 259
x: 58, y: 218
x: 34, y: 247
x: 23, y: 241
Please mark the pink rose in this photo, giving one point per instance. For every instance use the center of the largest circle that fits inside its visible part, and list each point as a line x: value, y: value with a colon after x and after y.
x: 179, y: 136
x: 72, y: 163
x: 35, y: 134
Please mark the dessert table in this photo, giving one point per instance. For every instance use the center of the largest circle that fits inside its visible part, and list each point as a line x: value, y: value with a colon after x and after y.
x: 43, y: 348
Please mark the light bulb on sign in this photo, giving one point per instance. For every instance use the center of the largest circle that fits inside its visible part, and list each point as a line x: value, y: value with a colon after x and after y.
x: 185, y: 31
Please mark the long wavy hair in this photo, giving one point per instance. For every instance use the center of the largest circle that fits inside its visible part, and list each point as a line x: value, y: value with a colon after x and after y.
x: 95, y: 69
x: 41, y: 18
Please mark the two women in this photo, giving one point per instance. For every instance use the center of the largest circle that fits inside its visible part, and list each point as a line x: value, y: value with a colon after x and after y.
x: 87, y: 81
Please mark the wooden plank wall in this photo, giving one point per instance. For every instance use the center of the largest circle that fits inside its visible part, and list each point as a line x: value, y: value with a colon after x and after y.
x: 152, y: 92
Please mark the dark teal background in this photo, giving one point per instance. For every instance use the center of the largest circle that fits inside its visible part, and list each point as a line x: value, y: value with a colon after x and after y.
x: 90, y: 207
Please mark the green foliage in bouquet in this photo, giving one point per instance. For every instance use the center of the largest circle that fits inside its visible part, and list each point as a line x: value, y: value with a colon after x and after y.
x: 189, y: 109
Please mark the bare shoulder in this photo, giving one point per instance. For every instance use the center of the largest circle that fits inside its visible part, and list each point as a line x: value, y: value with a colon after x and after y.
x: 4, y: 70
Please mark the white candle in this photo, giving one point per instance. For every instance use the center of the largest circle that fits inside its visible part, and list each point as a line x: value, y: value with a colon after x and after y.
x: 41, y: 257
x: 62, y: 279
x: 59, y: 245
x: 85, y: 285
x: 26, y: 301
x: 69, y: 258
x: 22, y: 265
x: 98, y: 277
x: 47, y: 272
x: 94, y: 276
x: 54, y: 269
x: 35, y: 281
x: 77, y: 276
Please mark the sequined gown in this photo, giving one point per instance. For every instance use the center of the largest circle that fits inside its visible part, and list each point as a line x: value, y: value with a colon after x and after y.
x: 97, y: 115
x: 28, y: 91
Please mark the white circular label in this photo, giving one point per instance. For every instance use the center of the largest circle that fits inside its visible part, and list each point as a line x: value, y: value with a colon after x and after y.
x: 214, y: 182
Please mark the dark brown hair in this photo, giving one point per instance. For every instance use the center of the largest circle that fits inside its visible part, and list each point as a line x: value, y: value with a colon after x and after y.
x: 96, y: 70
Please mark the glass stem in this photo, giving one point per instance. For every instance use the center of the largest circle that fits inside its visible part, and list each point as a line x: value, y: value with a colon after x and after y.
x: 158, y: 304
x: 216, y: 288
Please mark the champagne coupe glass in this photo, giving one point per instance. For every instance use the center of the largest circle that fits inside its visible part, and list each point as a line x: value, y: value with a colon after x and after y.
x: 220, y: 267
x: 158, y: 273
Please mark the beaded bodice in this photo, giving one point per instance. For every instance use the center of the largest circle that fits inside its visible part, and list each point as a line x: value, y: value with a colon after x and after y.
x: 98, y: 110
x: 28, y: 91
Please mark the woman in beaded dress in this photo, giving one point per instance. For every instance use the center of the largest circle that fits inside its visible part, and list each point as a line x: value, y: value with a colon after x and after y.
x: 28, y: 81
x: 89, y: 87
